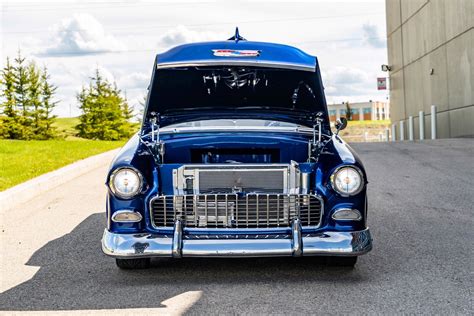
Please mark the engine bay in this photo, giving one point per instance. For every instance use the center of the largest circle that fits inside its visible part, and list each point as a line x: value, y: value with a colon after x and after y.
x: 234, y: 148
x: 235, y: 155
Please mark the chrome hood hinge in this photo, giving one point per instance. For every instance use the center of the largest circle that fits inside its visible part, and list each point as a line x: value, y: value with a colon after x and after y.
x: 156, y: 145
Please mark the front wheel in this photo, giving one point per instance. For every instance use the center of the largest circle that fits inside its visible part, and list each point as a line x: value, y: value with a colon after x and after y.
x: 132, y: 264
x: 342, y: 261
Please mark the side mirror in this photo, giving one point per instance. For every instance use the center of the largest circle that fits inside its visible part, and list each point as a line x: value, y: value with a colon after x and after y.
x: 341, y: 124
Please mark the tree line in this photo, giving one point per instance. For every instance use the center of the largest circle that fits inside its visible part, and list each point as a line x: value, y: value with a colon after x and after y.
x: 28, y: 98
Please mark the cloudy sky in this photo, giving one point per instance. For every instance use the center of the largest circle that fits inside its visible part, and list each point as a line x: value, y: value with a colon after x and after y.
x: 72, y: 38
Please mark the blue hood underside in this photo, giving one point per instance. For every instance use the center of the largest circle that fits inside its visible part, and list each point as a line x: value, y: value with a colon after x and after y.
x: 275, y: 82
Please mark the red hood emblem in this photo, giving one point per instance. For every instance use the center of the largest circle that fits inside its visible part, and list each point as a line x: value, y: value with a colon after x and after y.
x: 236, y: 53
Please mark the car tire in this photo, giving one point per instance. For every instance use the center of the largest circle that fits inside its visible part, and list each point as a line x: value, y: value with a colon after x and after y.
x: 342, y: 261
x: 133, y: 264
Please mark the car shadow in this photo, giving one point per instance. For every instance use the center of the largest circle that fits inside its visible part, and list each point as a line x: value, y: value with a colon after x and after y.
x: 75, y: 274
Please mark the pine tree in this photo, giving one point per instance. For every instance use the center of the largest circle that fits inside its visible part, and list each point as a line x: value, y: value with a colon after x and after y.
x: 47, y: 105
x: 9, y: 127
x: 21, y: 81
x: 105, y: 113
x: 34, y: 100
x: 127, y: 110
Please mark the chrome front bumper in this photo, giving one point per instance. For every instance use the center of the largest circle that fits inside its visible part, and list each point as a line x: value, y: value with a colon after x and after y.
x: 322, y: 244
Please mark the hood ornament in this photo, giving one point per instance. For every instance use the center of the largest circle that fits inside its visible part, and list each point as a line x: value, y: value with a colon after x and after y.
x: 237, y: 36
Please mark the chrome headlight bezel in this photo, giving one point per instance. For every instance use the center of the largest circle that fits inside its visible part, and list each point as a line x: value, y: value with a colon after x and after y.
x: 122, y: 195
x: 339, y: 169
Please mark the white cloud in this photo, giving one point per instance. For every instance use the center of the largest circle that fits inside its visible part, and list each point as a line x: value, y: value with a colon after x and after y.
x: 79, y: 35
x: 134, y: 80
x: 372, y: 36
x: 345, y: 81
x: 345, y: 75
x: 181, y: 35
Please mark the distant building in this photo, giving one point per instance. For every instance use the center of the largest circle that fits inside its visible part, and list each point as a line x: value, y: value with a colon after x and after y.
x: 431, y: 56
x: 362, y: 111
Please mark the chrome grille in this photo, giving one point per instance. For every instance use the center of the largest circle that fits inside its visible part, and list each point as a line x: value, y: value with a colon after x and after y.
x: 234, y: 210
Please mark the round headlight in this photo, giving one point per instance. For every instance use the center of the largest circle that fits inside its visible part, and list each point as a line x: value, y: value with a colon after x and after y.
x: 126, y: 182
x: 347, y: 181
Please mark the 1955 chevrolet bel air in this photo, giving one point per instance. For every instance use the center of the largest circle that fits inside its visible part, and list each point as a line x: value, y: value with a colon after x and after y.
x: 236, y: 158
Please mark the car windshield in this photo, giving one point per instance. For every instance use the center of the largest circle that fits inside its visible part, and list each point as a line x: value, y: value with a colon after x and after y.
x: 233, y: 123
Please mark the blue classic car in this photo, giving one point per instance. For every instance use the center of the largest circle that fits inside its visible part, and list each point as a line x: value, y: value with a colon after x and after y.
x: 236, y: 158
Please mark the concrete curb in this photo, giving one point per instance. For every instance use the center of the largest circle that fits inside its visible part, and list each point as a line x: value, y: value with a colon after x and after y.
x: 25, y: 191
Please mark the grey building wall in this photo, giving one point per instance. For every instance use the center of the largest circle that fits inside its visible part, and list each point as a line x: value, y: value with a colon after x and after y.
x: 431, y: 52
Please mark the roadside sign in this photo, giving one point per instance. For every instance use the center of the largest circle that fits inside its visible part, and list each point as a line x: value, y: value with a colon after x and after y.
x: 381, y: 83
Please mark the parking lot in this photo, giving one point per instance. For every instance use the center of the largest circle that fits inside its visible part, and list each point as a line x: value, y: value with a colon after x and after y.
x: 421, y: 198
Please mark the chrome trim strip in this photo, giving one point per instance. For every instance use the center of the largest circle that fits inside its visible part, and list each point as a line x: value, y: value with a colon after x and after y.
x: 234, y: 62
x: 233, y: 230
x: 330, y: 243
x: 175, y: 130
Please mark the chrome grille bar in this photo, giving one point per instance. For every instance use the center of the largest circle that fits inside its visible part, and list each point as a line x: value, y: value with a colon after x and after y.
x: 236, y: 210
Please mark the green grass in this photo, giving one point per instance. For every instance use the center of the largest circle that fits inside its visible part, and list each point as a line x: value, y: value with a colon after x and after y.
x: 23, y: 160
x: 65, y: 127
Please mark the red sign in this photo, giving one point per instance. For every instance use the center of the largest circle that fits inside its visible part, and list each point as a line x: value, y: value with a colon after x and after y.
x: 381, y: 83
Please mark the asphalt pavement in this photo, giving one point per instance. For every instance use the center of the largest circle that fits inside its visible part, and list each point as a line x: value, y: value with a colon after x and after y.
x: 421, y: 210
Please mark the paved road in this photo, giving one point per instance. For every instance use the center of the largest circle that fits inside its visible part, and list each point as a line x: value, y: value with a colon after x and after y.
x: 421, y: 216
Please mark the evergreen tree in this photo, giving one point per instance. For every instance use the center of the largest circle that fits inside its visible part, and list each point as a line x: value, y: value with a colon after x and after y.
x: 34, y: 100
x: 21, y: 81
x: 105, y: 113
x: 9, y: 127
x: 47, y: 105
x: 126, y: 108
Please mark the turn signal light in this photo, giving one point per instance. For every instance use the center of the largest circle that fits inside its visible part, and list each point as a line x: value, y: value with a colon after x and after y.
x: 126, y: 216
x: 346, y: 214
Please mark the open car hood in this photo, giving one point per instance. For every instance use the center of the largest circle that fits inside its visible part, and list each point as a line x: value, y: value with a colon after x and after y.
x: 236, y: 80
